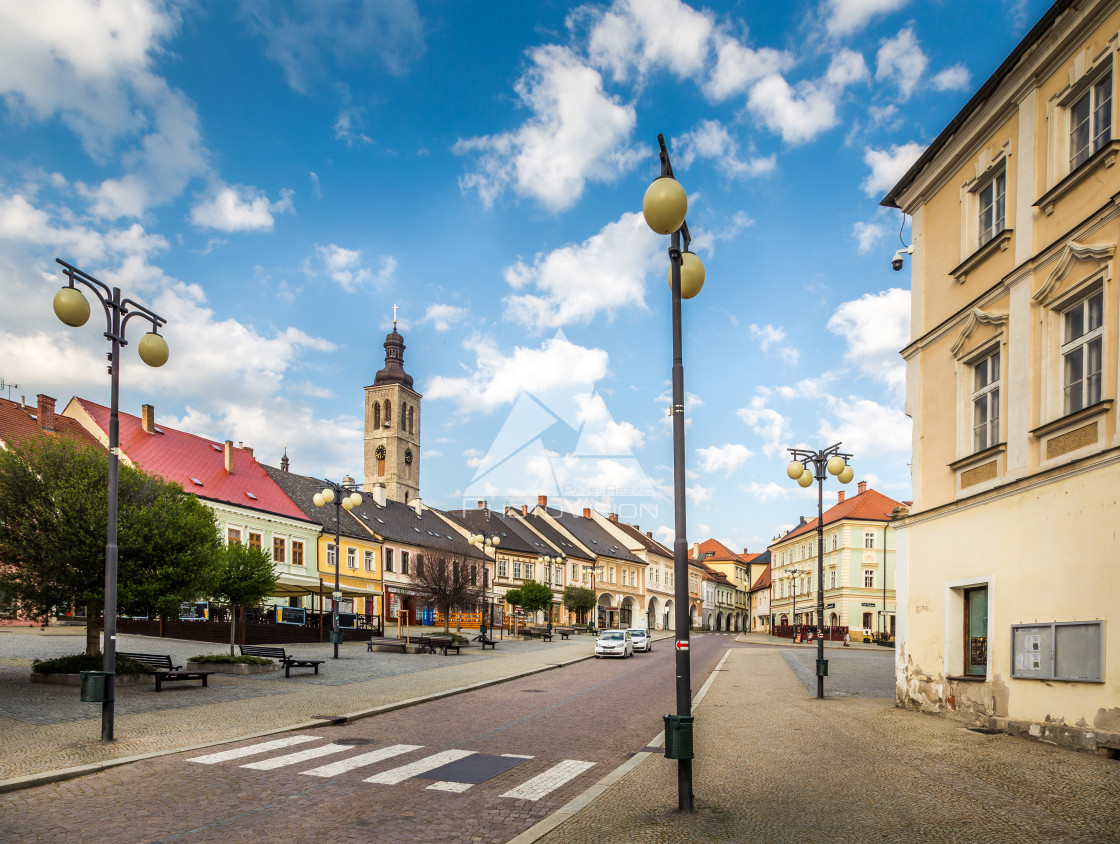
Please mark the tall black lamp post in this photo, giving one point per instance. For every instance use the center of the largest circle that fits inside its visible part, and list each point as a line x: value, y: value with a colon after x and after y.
x: 487, y: 542
x: 344, y: 496
x: 72, y: 308
x: 595, y: 569
x: 664, y: 206
x: 806, y: 467
x: 792, y: 574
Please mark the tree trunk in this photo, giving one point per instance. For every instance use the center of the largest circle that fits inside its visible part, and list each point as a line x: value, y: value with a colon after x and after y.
x: 93, y: 630
x: 447, y: 619
x: 232, y: 627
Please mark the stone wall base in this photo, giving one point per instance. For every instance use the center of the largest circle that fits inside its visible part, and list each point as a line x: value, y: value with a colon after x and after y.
x: 76, y: 680
x: 232, y: 667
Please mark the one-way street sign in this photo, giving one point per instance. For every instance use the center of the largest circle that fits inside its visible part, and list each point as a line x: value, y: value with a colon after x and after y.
x: 682, y: 646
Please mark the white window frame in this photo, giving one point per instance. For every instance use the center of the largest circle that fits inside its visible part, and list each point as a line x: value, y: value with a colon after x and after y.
x: 528, y: 571
x: 1097, y: 121
x: 387, y: 556
x: 1082, y: 345
x: 986, y: 393
x: 1085, y: 78
x: 991, y: 200
x: 868, y: 578
x: 371, y: 561
x: 503, y: 568
x: 351, y: 558
x: 332, y: 555
x: 869, y: 539
x: 516, y: 570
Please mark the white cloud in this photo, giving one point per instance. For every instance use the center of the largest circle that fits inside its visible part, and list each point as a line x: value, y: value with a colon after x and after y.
x: 868, y: 235
x: 344, y: 266
x: 767, y: 423
x: 600, y: 433
x: 442, y: 317
x: 901, y: 60
x: 888, y: 166
x: 767, y: 491
x: 239, y: 208
x: 698, y: 495
x: 498, y: 379
x: 846, y: 68
x: 347, y: 127
x: 643, y: 35
x: 723, y: 458
x: 769, y: 337
x: 866, y: 427
x: 876, y: 327
x: 797, y: 114
x: 845, y: 17
x: 573, y: 284
x: 737, y: 67
x: 711, y: 140
x: 955, y: 78
x: 577, y: 133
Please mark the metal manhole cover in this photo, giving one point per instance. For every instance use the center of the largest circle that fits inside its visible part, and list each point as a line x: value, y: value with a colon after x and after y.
x: 353, y: 742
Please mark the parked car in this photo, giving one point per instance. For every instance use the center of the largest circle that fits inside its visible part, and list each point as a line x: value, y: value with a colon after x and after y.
x: 614, y: 643
x: 642, y: 640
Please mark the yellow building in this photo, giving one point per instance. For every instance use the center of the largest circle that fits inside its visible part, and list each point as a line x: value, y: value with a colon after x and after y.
x: 1007, y: 556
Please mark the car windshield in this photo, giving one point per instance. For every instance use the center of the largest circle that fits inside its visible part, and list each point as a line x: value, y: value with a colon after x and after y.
x: 611, y: 636
x: 638, y: 634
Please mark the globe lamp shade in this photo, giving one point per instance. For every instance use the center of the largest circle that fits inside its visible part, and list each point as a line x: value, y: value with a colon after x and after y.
x: 328, y: 495
x: 795, y: 470
x: 692, y: 275
x: 346, y: 505
x: 318, y: 499
x: 355, y: 499
x: 664, y: 206
x: 836, y: 464
x: 806, y: 479
x: 846, y: 476
x: 153, y: 349
x: 71, y: 307
x: 497, y: 541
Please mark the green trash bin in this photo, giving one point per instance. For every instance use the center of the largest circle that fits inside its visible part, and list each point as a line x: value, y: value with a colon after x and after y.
x: 93, y: 686
x: 336, y: 637
x: 678, y: 737
x: 822, y: 667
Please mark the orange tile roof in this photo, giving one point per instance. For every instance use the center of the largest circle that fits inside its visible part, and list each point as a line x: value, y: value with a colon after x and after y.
x: 18, y: 424
x: 870, y: 506
x: 719, y: 552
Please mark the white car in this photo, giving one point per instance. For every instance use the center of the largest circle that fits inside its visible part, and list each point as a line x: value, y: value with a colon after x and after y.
x: 642, y: 640
x: 614, y: 643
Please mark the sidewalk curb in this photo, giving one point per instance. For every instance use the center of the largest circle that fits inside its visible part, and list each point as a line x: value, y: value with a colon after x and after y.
x: 61, y: 774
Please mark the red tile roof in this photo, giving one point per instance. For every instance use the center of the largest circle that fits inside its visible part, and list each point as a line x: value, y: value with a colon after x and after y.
x: 870, y: 506
x: 763, y: 580
x: 183, y: 458
x: 18, y: 424
x: 713, y: 549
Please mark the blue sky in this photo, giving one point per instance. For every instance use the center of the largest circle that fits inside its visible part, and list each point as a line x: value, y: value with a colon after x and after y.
x: 272, y: 177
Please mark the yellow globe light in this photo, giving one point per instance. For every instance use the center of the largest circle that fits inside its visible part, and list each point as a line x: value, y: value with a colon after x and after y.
x: 346, y: 505
x: 806, y: 479
x: 497, y: 542
x: 328, y: 495
x: 664, y: 206
x: 355, y: 499
x: 836, y: 464
x: 318, y: 499
x: 153, y: 349
x: 71, y: 307
x: 692, y: 275
x: 795, y: 470
x: 846, y: 476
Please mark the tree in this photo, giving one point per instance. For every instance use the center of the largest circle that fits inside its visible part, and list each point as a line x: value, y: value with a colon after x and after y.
x: 449, y: 582
x: 244, y: 578
x: 534, y: 597
x: 579, y: 599
x: 53, y: 512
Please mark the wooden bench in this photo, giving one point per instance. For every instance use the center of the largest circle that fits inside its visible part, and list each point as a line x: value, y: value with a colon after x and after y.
x: 444, y: 643
x: 289, y: 662
x: 564, y: 632
x: 486, y: 641
x: 386, y: 641
x: 165, y: 669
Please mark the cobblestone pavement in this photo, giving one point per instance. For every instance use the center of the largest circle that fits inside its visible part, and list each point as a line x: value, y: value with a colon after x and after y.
x: 865, y: 673
x: 46, y: 728
x: 776, y: 765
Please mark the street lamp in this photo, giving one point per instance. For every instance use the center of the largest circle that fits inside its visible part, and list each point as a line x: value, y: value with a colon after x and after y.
x: 664, y: 206
x: 484, y: 542
x: 73, y: 309
x: 548, y: 562
x: 345, y: 496
x: 792, y: 575
x: 806, y: 467
x: 595, y: 569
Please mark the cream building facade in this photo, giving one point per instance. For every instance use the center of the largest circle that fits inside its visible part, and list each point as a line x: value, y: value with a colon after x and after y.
x: 1007, y: 555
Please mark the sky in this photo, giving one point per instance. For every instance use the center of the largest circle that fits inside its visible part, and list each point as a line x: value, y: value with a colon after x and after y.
x: 273, y: 176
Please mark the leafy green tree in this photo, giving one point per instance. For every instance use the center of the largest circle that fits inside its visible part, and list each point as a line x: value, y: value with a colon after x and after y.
x: 534, y: 597
x: 579, y: 599
x: 244, y: 578
x: 53, y: 514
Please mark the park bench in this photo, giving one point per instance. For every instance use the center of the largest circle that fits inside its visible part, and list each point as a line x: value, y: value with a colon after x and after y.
x: 564, y: 632
x: 486, y: 641
x: 388, y: 642
x: 444, y: 643
x: 537, y: 633
x: 165, y: 669
x: 289, y: 662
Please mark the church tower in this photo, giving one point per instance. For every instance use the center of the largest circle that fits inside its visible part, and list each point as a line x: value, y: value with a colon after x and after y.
x: 392, y: 446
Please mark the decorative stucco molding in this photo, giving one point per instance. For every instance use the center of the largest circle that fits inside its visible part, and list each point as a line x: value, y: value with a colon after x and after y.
x: 1073, y: 252
x: 976, y: 318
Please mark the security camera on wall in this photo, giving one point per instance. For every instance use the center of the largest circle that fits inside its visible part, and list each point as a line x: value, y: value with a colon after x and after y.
x: 896, y: 261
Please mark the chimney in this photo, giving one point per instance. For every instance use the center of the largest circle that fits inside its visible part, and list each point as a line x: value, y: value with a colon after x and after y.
x: 284, y: 460
x: 542, y: 500
x: 649, y: 534
x: 249, y: 450
x: 240, y: 444
x: 587, y: 512
x: 346, y: 479
x: 862, y: 487
x: 417, y: 505
x: 746, y: 553
x: 481, y: 505
x: 378, y: 493
x: 46, y: 412
x: 840, y: 497
x: 229, y: 455
x: 148, y: 418
x: 524, y: 509
x: 613, y: 517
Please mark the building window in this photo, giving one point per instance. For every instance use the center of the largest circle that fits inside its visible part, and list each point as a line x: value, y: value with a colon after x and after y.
x: 331, y: 554
x: 503, y: 570
x: 867, y: 621
x: 351, y: 558
x: 233, y: 536
x: 612, y: 574
x: 1082, y: 350
x: 474, y: 575
x: 835, y: 540
x: 1090, y: 122
x: 517, y: 570
x: 869, y: 539
x: 370, y: 562
x: 297, y: 553
x: 420, y: 567
x: 985, y: 402
x: 277, y: 550
x: 993, y: 207
x: 255, y: 540
x: 388, y: 555
x: 559, y: 575
x: 976, y: 631
x: 548, y: 575
x: 869, y: 578
x: 404, y: 562
x: 528, y: 571
x: 832, y: 579
x: 575, y: 571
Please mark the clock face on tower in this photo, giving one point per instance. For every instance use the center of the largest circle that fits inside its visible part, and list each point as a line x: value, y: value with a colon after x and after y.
x: 380, y: 452
x: 408, y: 455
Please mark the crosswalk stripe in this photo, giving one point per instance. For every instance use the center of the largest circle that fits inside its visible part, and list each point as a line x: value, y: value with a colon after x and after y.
x: 361, y: 760
x: 237, y: 753
x: 550, y: 780
x: 300, y: 756
x: 429, y: 763
x: 458, y: 787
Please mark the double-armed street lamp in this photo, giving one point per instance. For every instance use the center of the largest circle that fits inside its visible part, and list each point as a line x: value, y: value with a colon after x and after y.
x: 595, y: 569
x: 664, y: 207
x: 805, y: 467
x: 345, y: 496
x: 71, y: 307
x: 487, y: 541
x: 792, y: 575
x: 548, y: 562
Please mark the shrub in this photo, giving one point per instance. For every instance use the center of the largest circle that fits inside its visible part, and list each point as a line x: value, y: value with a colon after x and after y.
x: 226, y: 659
x: 75, y: 663
x: 459, y: 640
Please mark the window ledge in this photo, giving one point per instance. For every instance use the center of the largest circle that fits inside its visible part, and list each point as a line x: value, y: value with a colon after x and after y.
x: 1106, y: 155
x: 1072, y: 418
x: 998, y: 243
x: 967, y: 678
x: 978, y: 456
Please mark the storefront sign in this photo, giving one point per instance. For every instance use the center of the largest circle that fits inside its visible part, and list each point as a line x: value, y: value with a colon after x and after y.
x: 291, y: 615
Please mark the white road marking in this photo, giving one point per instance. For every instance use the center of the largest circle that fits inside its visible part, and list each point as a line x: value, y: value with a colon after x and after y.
x: 550, y: 780
x: 295, y: 758
x: 428, y: 763
x: 451, y: 786
x: 361, y: 760
x: 516, y: 756
x: 237, y: 753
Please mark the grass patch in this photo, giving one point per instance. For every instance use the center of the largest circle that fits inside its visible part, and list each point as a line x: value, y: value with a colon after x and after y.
x: 226, y: 659
x: 75, y: 663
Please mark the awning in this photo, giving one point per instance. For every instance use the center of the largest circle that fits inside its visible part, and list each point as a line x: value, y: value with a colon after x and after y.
x: 295, y: 585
